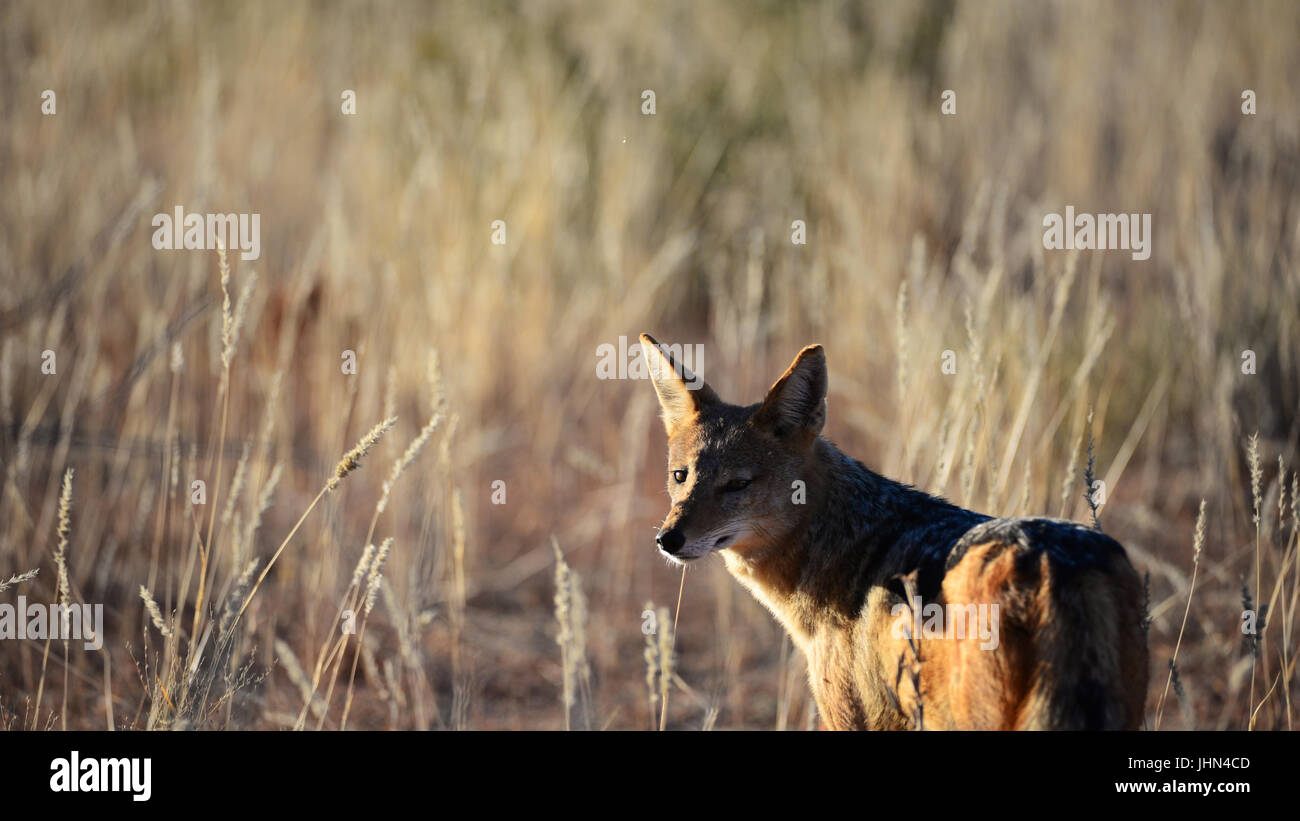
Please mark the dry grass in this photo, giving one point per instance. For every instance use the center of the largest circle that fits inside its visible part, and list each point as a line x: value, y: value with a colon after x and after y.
x: 924, y: 236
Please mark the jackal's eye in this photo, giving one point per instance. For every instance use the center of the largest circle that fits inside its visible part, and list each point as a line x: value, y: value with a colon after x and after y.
x: 679, y: 475
x: 737, y: 484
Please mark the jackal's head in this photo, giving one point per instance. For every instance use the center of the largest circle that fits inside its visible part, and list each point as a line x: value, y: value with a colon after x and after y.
x: 732, y: 470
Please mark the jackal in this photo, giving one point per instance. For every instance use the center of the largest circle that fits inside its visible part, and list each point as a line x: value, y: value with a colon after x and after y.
x: 843, y: 556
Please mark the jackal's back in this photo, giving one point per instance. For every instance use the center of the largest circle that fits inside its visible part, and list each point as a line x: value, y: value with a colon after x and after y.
x: 1071, y: 650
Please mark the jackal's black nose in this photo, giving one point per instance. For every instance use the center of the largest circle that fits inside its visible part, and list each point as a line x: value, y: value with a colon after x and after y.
x: 670, y: 541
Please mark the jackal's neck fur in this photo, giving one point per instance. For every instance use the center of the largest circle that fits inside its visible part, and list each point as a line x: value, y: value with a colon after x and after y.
x: 816, y: 574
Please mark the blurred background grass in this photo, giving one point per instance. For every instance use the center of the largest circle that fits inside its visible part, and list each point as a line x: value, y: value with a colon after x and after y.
x: 924, y: 235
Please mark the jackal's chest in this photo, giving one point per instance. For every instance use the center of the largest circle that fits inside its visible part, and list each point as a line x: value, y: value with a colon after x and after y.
x: 860, y: 679
x: 844, y: 675
x: 844, y: 663
x: 831, y: 680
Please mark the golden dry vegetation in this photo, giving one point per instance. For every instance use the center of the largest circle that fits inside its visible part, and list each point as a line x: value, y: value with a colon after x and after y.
x: 924, y: 234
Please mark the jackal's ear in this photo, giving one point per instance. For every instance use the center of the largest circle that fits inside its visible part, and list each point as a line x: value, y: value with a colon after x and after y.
x: 682, y: 394
x: 798, y: 399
